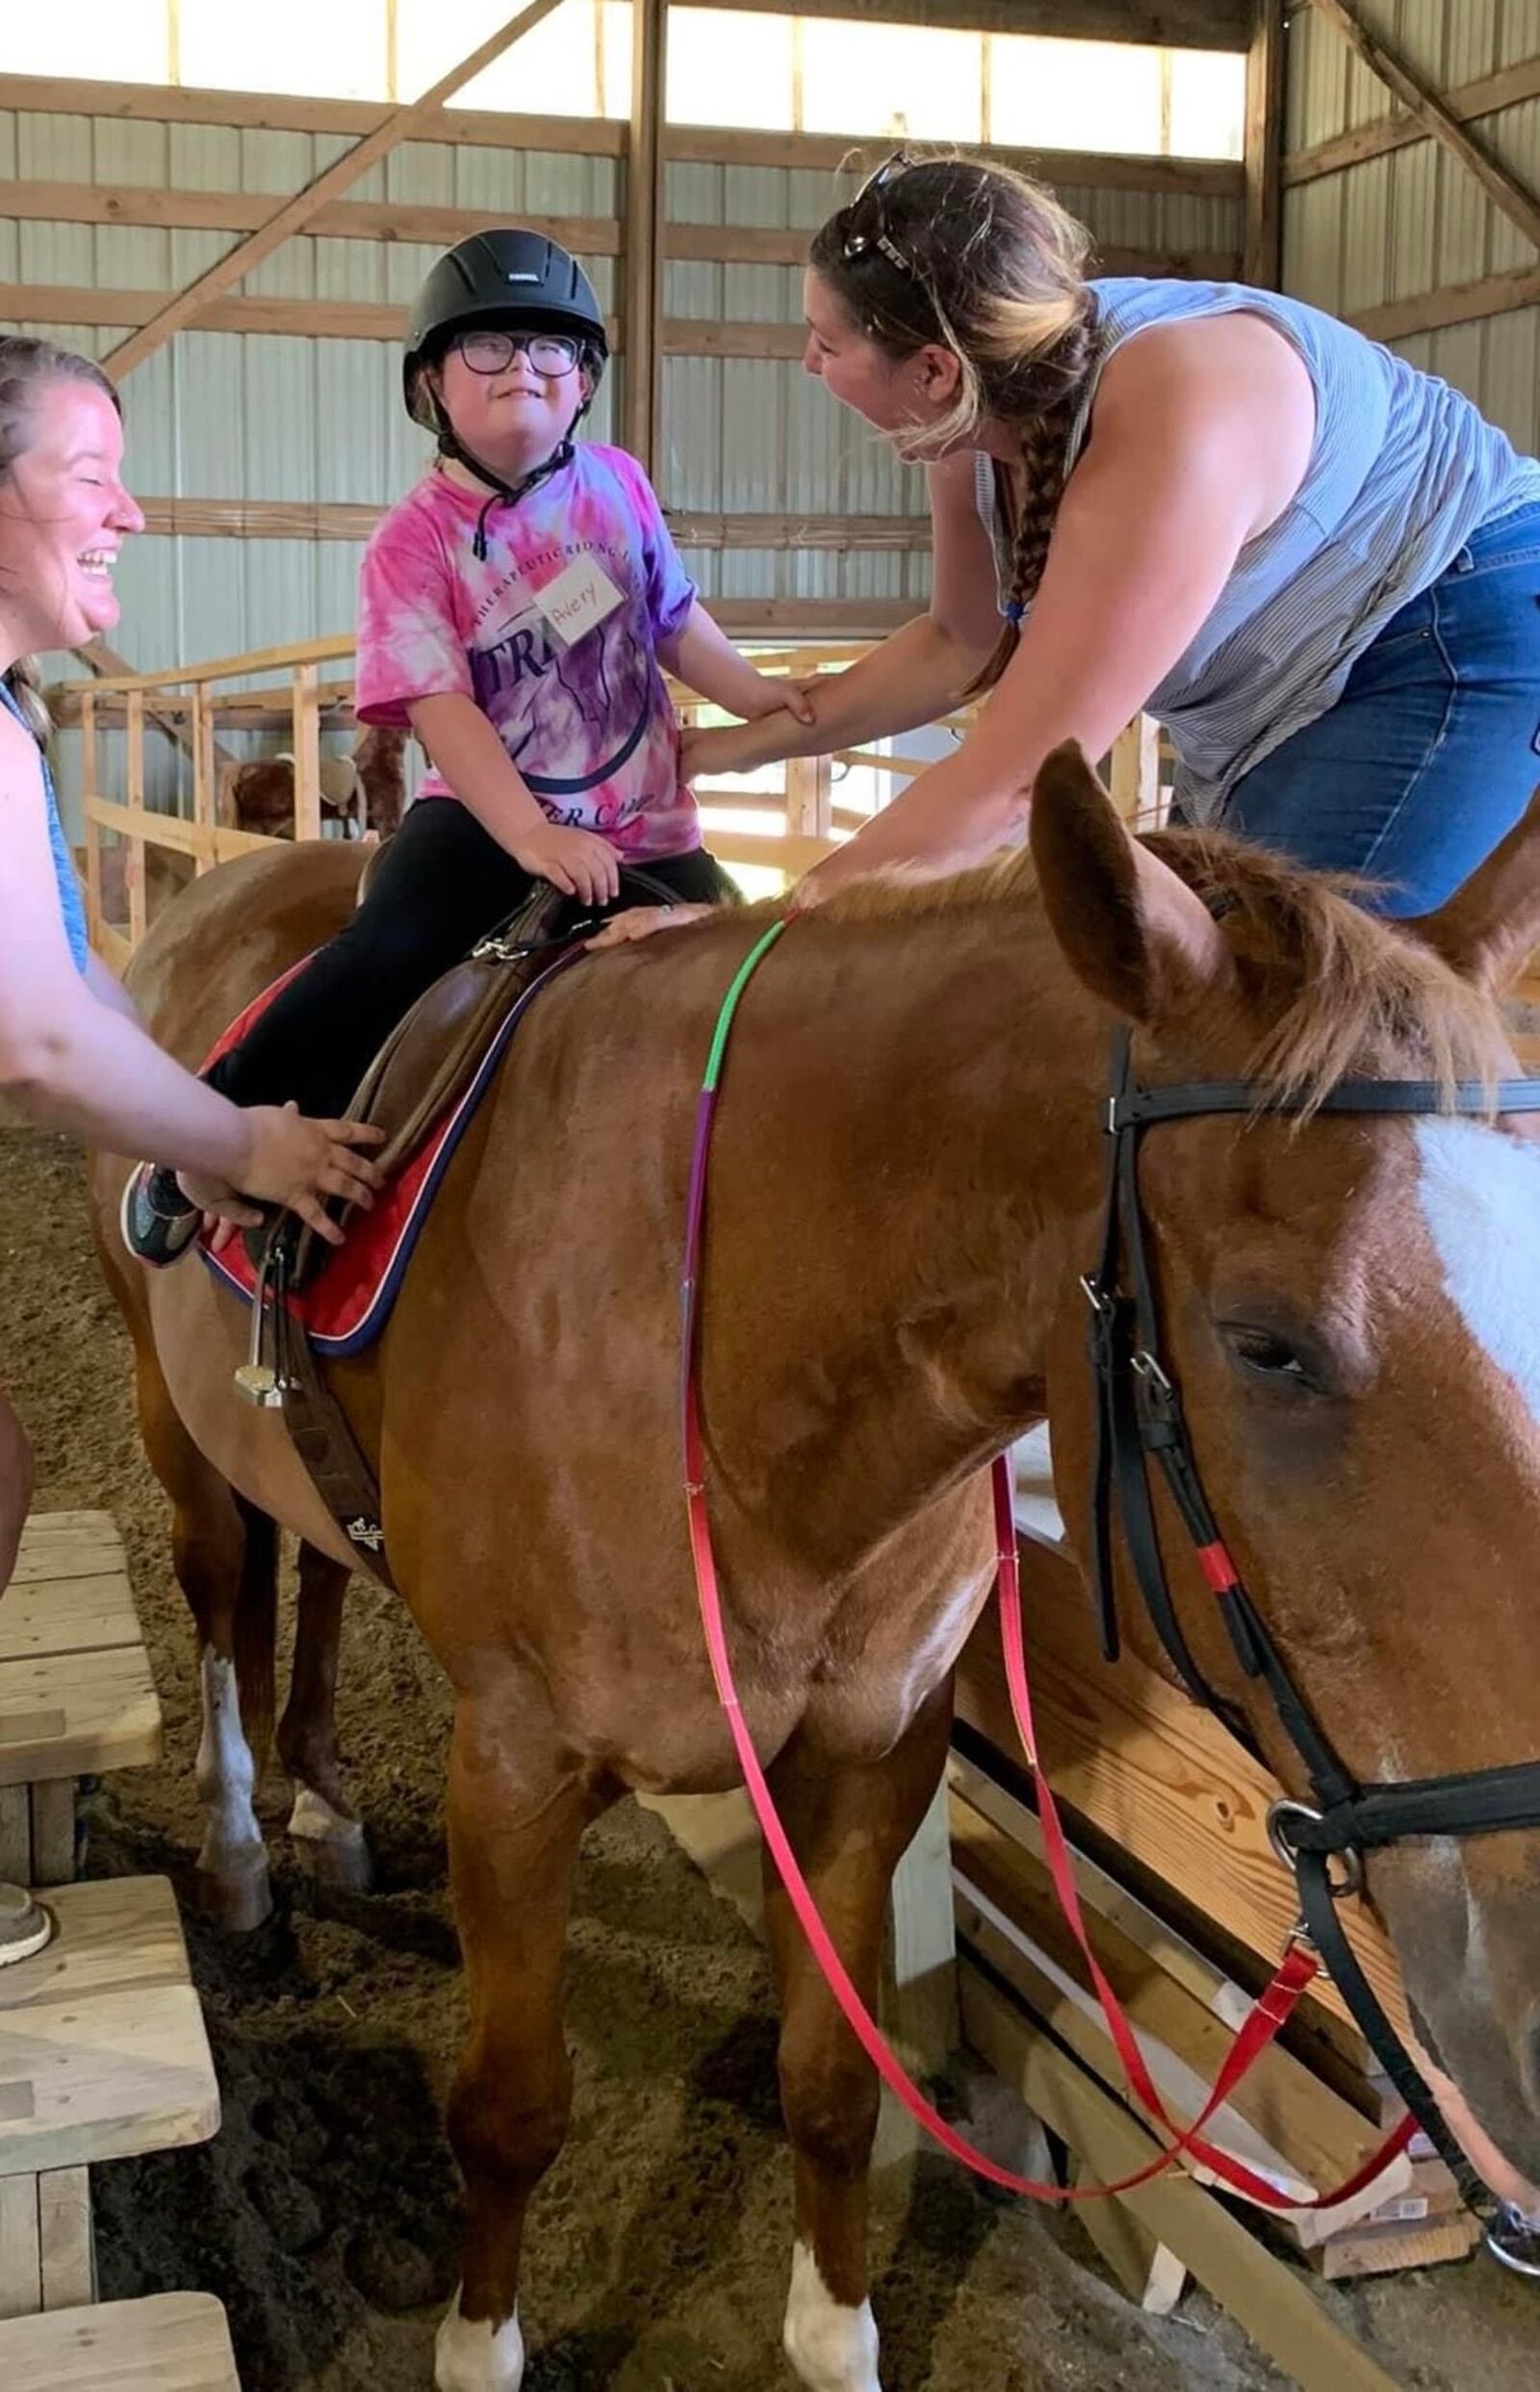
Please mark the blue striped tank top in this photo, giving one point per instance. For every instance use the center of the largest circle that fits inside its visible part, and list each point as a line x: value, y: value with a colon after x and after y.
x: 71, y: 905
x: 1402, y: 471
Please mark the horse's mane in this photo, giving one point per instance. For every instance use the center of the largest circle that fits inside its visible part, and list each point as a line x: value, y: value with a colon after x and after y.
x: 1344, y: 989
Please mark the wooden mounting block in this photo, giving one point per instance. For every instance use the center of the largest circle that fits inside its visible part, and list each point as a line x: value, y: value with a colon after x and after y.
x: 171, y: 2342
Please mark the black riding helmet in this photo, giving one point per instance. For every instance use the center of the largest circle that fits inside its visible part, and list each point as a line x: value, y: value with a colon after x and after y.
x: 507, y: 278
x: 504, y: 277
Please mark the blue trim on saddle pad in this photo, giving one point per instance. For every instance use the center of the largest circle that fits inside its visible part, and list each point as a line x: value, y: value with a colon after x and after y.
x: 378, y: 1309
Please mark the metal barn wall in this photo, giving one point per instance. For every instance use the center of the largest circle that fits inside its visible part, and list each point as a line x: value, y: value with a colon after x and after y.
x: 1385, y: 233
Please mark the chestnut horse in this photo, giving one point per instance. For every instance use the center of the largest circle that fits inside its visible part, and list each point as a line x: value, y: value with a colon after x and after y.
x: 907, y: 1178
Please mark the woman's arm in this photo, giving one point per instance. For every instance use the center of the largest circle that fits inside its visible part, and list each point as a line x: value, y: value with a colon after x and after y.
x: 1202, y: 435
x: 911, y: 677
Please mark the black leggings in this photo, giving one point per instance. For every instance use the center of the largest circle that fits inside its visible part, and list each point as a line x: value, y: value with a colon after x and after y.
x: 441, y: 883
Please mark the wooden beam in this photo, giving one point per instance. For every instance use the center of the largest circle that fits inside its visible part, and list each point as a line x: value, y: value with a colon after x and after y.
x: 306, y: 519
x: 295, y: 212
x: 1206, y: 178
x: 1471, y: 101
x: 1517, y: 201
x: 1273, y: 2303
x: 1460, y: 304
x: 644, y: 235
x: 103, y: 659
x: 1173, y: 24
x: 1262, y: 266
x: 159, y: 103
x: 240, y: 212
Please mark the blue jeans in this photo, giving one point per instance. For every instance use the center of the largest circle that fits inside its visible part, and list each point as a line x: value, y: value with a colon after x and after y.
x: 1431, y: 753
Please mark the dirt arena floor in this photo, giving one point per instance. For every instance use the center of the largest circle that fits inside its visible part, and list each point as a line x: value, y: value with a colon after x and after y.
x: 324, y: 2214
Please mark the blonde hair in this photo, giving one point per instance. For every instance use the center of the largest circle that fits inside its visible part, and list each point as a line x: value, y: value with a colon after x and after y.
x: 979, y: 258
x: 27, y: 369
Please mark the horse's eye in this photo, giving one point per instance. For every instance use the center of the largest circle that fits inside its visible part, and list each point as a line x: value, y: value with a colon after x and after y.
x: 1263, y: 1353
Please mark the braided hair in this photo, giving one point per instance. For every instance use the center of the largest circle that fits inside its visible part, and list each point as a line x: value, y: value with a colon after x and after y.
x: 987, y: 262
x: 27, y: 369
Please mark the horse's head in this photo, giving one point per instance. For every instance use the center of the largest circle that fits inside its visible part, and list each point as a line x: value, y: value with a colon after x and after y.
x: 1350, y: 1307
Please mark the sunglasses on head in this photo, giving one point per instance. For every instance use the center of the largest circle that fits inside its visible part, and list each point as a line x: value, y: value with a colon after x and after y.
x: 489, y: 349
x: 879, y: 242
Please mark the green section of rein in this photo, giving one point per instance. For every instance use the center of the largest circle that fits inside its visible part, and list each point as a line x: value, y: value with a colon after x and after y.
x: 730, y: 1005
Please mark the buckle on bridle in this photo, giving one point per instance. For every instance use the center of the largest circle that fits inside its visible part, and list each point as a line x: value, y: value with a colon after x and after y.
x: 1350, y: 1881
x: 1097, y: 1296
x: 1145, y: 1365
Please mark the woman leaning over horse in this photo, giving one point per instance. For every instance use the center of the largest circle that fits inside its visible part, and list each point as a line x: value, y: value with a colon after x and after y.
x: 72, y: 1054
x: 1317, y: 567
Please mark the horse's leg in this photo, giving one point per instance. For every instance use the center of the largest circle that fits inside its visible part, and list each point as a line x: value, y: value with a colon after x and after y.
x: 849, y: 1823
x: 516, y: 1815
x: 329, y: 1836
x: 225, y: 1556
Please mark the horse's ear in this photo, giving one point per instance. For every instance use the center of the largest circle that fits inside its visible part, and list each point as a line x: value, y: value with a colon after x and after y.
x: 1135, y: 933
x: 1489, y: 929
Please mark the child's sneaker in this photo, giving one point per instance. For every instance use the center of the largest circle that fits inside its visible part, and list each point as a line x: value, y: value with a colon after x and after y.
x: 158, y: 1223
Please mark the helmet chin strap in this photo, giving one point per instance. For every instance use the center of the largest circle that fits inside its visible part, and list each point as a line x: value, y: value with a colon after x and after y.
x: 504, y: 493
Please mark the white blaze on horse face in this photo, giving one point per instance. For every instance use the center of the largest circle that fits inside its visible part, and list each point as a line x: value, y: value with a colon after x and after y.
x: 473, y: 2357
x: 1479, y: 1194
x: 226, y: 1775
x: 832, y: 2348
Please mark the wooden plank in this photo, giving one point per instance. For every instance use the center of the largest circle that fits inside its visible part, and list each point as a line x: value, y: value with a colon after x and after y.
x: 1203, y: 24
x: 305, y: 740
x: 20, y: 2257
x: 1383, y: 2250
x: 51, y: 1803
x: 159, y: 103
x: 138, y: 918
x: 103, y: 2052
x: 15, y: 1836
x: 1458, y: 303
x: 169, y: 2342
x: 1151, y: 2275
x: 1517, y: 201
x: 66, y: 2258
x: 1485, y: 98
x: 1275, y: 2306
x: 295, y: 212
x: 1150, y: 1770
x: 49, y: 1615
x: 1263, y: 153
x: 308, y: 519
x: 76, y: 1714
x: 240, y: 212
x: 644, y: 235
x: 68, y: 1544
x: 1194, y: 178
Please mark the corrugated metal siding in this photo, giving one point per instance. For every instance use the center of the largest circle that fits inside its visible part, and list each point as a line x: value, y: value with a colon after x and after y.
x: 1406, y: 225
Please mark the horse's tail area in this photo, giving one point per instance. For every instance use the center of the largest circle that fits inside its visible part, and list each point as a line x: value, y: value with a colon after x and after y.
x: 254, y: 1630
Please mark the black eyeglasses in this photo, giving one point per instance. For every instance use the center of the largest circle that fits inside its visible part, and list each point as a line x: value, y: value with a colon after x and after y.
x: 879, y: 242
x: 492, y: 351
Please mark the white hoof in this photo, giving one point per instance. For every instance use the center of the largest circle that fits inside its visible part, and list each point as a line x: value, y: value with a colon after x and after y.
x: 831, y: 2348
x: 327, y: 1846
x: 474, y: 2357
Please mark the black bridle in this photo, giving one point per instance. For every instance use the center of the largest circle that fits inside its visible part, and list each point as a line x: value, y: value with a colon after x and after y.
x: 1139, y: 1414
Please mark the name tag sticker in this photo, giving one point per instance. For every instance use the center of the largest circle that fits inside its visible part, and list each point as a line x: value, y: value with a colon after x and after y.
x: 579, y: 599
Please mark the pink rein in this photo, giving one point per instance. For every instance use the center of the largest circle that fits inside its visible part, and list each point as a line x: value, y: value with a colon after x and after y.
x: 1272, y: 2009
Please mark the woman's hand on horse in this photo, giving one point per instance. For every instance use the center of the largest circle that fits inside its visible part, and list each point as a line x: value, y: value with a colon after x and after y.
x: 578, y: 862
x: 640, y: 922
x: 297, y: 1162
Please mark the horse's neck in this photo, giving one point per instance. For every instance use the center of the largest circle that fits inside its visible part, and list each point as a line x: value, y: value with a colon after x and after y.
x: 896, y: 1233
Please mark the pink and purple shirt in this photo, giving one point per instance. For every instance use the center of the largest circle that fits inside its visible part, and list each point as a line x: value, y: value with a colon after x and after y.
x: 574, y: 692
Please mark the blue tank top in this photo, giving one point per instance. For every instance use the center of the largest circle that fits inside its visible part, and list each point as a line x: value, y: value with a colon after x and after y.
x: 1403, y: 469
x: 71, y: 905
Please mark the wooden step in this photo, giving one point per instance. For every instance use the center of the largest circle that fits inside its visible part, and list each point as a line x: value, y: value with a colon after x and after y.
x: 76, y: 1692
x: 103, y: 2052
x: 171, y: 2342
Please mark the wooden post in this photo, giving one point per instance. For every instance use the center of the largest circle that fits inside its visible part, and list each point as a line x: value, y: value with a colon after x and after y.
x: 1135, y: 773
x: 90, y: 788
x: 133, y: 729
x: 644, y: 235
x: 1263, y: 263
x: 307, y: 753
x: 203, y: 781
x: 810, y: 796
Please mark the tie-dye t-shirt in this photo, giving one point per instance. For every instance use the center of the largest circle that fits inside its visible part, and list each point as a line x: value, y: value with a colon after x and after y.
x: 583, y: 713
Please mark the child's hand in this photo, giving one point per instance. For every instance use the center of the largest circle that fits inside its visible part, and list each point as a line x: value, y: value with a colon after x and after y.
x: 578, y: 862
x: 794, y: 697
